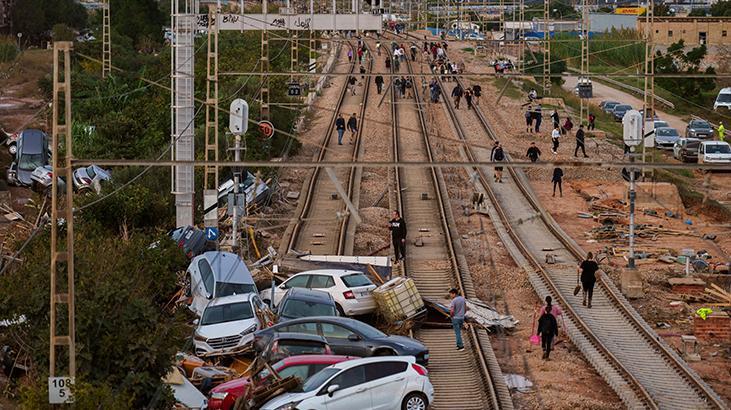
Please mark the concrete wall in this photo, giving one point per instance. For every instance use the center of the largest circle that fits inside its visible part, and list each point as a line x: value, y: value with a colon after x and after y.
x: 601, y: 22
x: 669, y: 30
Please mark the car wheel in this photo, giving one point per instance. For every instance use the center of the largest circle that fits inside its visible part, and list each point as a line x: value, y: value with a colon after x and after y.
x: 13, y: 149
x: 340, y: 309
x: 414, y: 401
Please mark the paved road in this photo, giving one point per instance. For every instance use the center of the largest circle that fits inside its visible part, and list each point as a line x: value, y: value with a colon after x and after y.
x: 605, y: 92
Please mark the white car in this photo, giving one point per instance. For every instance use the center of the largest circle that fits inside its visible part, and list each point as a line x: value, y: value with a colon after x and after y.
x: 714, y: 152
x: 217, y: 274
x: 351, y: 290
x: 723, y: 99
x: 376, y: 383
x: 227, y: 323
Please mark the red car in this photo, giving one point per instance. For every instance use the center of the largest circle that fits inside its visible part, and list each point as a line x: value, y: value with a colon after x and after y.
x: 223, y: 396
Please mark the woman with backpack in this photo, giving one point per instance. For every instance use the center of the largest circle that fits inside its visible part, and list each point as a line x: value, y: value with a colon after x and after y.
x: 498, y: 155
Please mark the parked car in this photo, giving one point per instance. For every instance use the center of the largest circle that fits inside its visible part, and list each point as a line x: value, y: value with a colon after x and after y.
x: 216, y: 274
x: 686, y: 149
x: 352, y: 290
x: 301, y: 302
x: 42, y: 178
x: 666, y: 137
x: 223, y: 396
x: 609, y: 106
x: 660, y: 124
x: 619, y: 110
x: 283, y: 345
x: 349, y: 337
x: 714, y: 152
x: 603, y: 104
x: 377, y: 383
x: 698, y: 129
x: 723, y: 99
x: 190, y: 239
x: 654, y: 115
x: 87, y: 178
x: 227, y: 323
x: 32, y: 152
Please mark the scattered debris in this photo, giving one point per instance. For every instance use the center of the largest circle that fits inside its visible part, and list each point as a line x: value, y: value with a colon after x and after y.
x: 479, y: 313
x: 184, y: 391
x: 518, y: 383
x: 398, y: 299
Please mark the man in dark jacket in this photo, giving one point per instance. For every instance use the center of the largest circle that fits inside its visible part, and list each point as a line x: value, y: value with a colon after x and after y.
x: 547, y: 329
x: 340, y: 127
x: 588, y: 269
x: 580, y: 141
x: 397, y: 225
x: 557, y: 178
x: 353, y: 127
x: 379, y: 83
x: 457, y: 93
x: 533, y: 152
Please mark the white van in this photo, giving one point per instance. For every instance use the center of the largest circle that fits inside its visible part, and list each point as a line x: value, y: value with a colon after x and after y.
x: 723, y: 99
x: 714, y: 152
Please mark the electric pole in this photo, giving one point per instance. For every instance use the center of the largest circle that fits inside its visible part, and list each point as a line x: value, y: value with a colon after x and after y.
x: 238, y: 125
x: 584, y: 57
x: 546, y: 48
x: 62, y: 218
x: 648, y: 103
x: 210, y: 175
x: 106, y: 40
x: 264, y: 93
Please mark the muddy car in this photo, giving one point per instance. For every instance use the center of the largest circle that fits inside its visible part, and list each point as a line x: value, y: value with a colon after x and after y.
x: 31, y: 153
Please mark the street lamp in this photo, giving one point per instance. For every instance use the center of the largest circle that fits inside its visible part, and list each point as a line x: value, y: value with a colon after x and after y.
x: 19, y: 37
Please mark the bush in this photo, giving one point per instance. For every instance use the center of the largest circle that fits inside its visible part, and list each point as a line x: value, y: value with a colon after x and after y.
x: 8, y: 49
x: 62, y: 32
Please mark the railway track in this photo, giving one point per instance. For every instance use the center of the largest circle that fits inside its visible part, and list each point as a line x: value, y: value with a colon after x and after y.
x: 470, y: 379
x: 322, y: 203
x: 642, y: 369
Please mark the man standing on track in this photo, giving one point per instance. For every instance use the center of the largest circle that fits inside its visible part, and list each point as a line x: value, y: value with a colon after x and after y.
x: 379, y: 83
x: 588, y: 269
x: 340, y: 127
x: 555, y: 135
x: 457, y: 93
x: 498, y: 155
x: 413, y: 51
x: 351, y: 84
x: 457, y: 310
x: 353, y: 127
x: 557, y: 178
x: 397, y: 225
x: 477, y: 91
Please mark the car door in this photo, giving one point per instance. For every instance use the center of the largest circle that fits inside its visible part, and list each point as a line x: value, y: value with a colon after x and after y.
x: 386, y: 381
x: 351, y: 393
x: 201, y: 283
x: 297, y: 281
x: 343, y: 340
x: 321, y: 282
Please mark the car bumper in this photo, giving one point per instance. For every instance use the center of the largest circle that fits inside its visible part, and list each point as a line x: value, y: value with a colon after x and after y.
x: 358, y: 306
x: 428, y: 390
x: 204, y: 349
x: 423, y: 359
x: 665, y: 145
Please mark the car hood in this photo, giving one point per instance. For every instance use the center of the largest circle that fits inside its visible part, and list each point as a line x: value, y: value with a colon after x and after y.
x: 287, y: 398
x: 225, y: 329
x: 24, y: 176
x: 403, y: 342
x: 667, y: 137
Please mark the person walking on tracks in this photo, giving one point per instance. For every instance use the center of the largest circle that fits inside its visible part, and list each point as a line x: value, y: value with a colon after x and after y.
x: 538, y: 115
x: 351, y: 84
x: 457, y: 310
x: 468, y: 98
x: 340, y: 128
x: 555, y: 118
x: 477, y: 91
x: 588, y: 269
x: 533, y: 152
x: 397, y: 225
x: 547, y: 329
x: 378, y: 48
x: 580, y: 141
x: 379, y: 83
x: 498, y: 155
x: 555, y: 136
x: 529, y: 120
x: 457, y: 94
x: 353, y: 127
x: 557, y: 178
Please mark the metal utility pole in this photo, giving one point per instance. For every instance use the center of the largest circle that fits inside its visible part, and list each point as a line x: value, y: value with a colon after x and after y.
x: 106, y: 40
x: 210, y: 175
x: 584, y: 56
x: 521, y: 30
x: 648, y: 103
x: 632, y: 136
x: 238, y: 125
x: 502, y: 24
x: 546, y: 48
x: 312, y: 65
x: 183, y: 27
x: 264, y: 106
x: 62, y: 217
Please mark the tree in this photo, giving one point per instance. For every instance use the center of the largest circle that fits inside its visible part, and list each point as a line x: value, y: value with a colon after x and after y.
x: 126, y: 338
x: 35, y: 18
x: 137, y: 19
x: 721, y: 9
x: 535, y: 67
x: 677, y: 61
x: 660, y: 10
x: 698, y: 13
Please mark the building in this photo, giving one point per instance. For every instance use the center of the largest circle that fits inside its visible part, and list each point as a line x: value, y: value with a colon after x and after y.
x: 694, y: 31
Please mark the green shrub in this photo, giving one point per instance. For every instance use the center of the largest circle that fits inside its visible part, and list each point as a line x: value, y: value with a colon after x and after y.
x: 8, y: 49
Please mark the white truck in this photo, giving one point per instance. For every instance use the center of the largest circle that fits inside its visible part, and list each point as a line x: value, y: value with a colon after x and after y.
x: 714, y: 152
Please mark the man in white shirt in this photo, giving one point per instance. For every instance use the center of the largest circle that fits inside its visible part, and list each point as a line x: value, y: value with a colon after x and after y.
x: 555, y: 135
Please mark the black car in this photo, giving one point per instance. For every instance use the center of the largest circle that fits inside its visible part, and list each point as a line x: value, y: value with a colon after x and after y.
x: 698, y: 129
x: 348, y: 337
x: 302, y: 302
x: 619, y: 110
x: 191, y: 240
x: 283, y: 345
x: 32, y: 152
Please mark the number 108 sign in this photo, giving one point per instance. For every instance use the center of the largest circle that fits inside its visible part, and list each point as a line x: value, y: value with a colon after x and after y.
x: 59, y: 390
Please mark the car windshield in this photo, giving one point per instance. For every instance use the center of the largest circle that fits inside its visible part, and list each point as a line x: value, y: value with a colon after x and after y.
x: 723, y: 98
x: 367, y: 331
x: 227, y: 313
x: 319, y: 378
x: 701, y: 124
x: 621, y: 108
x: 718, y: 149
x: 660, y: 124
x: 356, y: 280
x: 90, y: 172
x: 30, y: 162
x: 300, y: 308
x: 228, y: 289
x: 667, y: 132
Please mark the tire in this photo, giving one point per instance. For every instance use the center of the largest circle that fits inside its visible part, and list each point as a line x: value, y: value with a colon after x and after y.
x: 13, y: 149
x: 415, y: 401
